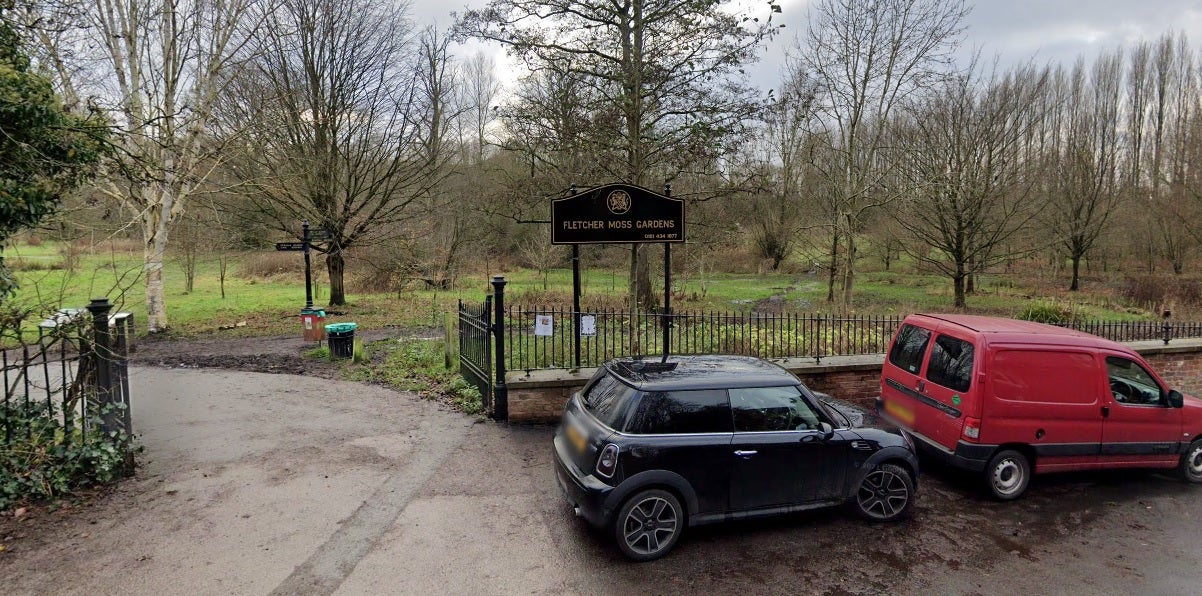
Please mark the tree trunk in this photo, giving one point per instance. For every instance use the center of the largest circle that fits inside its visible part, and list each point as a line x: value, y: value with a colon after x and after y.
x: 1075, y: 285
x: 335, y: 265
x: 834, y: 268
x: 154, y: 250
x: 647, y: 299
x: 849, y: 266
x: 958, y: 287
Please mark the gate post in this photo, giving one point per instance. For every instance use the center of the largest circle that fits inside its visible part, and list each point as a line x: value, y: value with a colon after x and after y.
x: 500, y: 391
x: 102, y: 346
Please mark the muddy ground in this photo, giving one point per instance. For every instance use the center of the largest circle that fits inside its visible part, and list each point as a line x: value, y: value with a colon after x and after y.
x: 277, y: 484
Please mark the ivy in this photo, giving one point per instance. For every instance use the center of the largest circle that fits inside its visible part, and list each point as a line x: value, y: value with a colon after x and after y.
x: 42, y: 459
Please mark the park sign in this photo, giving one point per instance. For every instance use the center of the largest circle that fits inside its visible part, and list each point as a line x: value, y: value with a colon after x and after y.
x: 618, y: 214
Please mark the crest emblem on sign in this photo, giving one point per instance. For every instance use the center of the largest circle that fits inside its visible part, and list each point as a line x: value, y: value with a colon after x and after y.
x: 619, y: 202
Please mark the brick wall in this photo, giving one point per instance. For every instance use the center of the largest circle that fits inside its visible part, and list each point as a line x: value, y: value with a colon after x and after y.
x: 541, y: 395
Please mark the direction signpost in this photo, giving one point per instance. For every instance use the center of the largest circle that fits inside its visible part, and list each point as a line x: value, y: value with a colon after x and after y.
x: 303, y: 246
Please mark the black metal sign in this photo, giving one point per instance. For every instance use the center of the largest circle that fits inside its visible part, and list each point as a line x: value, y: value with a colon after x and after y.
x: 617, y: 213
x: 290, y: 246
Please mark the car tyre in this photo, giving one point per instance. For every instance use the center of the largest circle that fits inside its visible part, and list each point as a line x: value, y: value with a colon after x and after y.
x: 1007, y: 475
x: 1190, y: 469
x: 885, y: 494
x: 649, y: 524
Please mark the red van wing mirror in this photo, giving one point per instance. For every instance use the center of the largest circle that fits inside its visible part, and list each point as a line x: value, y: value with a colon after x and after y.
x: 1176, y: 400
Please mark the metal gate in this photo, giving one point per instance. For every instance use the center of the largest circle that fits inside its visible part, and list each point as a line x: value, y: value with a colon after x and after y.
x: 475, y: 348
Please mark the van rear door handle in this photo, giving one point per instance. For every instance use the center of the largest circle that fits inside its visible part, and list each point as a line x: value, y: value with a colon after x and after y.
x: 1105, y: 411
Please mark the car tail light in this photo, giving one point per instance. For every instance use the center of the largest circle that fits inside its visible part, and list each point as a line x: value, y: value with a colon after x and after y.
x: 972, y: 428
x: 607, y: 462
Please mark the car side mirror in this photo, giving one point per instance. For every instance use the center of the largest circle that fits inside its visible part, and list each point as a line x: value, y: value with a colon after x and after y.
x: 826, y: 430
x: 1176, y: 400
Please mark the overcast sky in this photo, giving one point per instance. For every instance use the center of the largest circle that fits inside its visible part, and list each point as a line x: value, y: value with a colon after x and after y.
x: 1012, y: 30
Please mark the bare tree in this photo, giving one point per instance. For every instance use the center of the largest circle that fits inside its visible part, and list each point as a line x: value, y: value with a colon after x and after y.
x: 335, y: 130
x: 959, y: 149
x: 783, y: 155
x: 868, y: 57
x: 1083, y: 176
x: 665, y: 75
x: 159, y: 67
x: 478, y: 95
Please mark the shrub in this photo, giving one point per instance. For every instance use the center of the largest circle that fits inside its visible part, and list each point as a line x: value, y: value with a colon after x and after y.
x: 1156, y: 290
x: 44, y: 460
x: 1045, y: 311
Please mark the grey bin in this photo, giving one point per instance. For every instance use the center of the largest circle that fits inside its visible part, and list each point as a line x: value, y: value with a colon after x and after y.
x: 341, y: 339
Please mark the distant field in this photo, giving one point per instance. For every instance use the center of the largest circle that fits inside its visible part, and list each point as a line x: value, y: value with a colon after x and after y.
x: 268, y: 304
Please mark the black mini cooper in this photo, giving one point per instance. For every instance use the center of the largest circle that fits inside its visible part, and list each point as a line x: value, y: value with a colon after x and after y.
x: 648, y: 448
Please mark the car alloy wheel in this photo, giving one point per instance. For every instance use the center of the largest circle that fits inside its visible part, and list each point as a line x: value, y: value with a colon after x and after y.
x: 885, y: 494
x: 649, y: 524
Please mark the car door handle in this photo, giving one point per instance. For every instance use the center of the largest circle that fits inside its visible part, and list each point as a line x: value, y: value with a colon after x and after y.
x: 745, y: 454
x: 1105, y: 412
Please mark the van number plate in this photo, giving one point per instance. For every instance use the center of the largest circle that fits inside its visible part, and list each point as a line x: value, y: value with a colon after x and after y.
x: 901, y: 412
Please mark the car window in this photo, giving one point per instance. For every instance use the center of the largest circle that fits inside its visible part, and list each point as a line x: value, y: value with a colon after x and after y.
x: 764, y: 409
x: 606, y: 399
x: 908, y: 348
x: 1130, y: 383
x: 951, y: 363
x: 676, y: 412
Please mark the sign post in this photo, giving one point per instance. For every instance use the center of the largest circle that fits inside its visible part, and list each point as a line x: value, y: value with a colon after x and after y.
x: 303, y: 246
x: 618, y: 214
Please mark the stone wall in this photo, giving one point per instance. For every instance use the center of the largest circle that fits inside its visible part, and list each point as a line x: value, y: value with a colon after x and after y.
x: 541, y: 395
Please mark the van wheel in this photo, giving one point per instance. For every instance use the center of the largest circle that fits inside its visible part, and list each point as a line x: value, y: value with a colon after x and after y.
x: 1007, y: 475
x: 649, y: 524
x: 1190, y: 469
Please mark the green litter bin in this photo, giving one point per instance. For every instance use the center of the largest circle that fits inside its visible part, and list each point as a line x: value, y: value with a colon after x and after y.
x: 341, y: 339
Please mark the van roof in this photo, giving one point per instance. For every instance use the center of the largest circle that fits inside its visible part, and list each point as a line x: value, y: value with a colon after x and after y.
x: 1012, y: 330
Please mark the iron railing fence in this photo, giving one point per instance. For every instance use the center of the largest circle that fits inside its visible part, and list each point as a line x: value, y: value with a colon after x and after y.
x: 530, y: 346
x: 67, y: 382
x: 611, y: 334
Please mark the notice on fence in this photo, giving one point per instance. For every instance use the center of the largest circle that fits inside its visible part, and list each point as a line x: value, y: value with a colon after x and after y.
x: 588, y: 325
x: 543, y: 325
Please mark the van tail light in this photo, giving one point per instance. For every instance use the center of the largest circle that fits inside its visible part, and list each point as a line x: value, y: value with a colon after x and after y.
x: 972, y: 428
x: 607, y: 462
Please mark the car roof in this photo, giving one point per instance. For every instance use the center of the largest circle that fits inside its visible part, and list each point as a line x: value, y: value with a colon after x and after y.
x: 699, y: 372
x: 1000, y: 329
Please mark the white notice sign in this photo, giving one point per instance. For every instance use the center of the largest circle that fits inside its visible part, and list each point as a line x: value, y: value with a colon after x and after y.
x: 588, y: 325
x: 543, y: 325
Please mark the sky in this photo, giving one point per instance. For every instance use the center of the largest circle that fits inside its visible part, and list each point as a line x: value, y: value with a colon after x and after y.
x: 1013, y: 31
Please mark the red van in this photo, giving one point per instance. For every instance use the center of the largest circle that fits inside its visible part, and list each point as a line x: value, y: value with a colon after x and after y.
x: 1007, y: 397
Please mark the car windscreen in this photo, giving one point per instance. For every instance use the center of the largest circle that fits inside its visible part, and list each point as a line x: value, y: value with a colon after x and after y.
x: 606, y: 399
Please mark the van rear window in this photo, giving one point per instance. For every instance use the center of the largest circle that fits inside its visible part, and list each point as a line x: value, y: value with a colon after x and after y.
x: 951, y: 363
x: 908, y: 348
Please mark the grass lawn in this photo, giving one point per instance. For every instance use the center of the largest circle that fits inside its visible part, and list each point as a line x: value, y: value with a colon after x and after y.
x: 51, y: 276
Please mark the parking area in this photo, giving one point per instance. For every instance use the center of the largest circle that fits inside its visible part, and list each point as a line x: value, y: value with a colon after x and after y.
x: 260, y: 484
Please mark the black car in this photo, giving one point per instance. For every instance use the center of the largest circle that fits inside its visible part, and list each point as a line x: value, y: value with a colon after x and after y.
x: 648, y: 448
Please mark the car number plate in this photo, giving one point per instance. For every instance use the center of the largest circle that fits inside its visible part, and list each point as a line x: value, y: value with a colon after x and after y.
x: 575, y: 437
x: 901, y: 412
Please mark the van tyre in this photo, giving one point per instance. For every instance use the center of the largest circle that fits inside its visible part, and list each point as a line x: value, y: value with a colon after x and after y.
x: 649, y: 524
x: 1007, y: 475
x: 1190, y: 469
